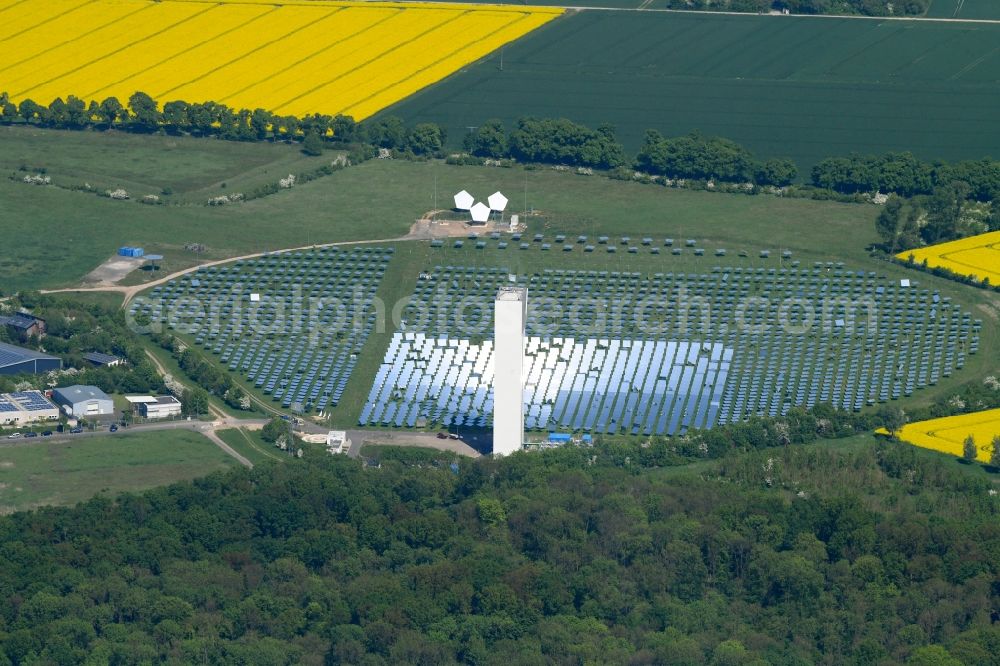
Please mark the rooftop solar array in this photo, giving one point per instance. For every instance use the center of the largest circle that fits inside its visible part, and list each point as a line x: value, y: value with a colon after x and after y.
x: 26, y: 401
x: 292, y: 323
x: 32, y: 401
x: 764, y: 340
x: 11, y: 354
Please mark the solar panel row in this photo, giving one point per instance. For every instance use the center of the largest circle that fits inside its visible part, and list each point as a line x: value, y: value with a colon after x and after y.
x: 590, y: 384
x: 292, y: 323
x: 791, y: 337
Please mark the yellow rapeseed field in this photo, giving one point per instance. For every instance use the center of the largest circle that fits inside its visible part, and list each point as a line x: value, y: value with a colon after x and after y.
x: 975, y: 255
x: 948, y: 434
x: 296, y: 57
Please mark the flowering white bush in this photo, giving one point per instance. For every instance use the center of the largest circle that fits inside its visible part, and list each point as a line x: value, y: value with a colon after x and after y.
x: 768, y: 468
x: 37, y: 180
x: 287, y: 183
x: 151, y: 199
x: 992, y: 382
x: 225, y: 199
x: 119, y: 194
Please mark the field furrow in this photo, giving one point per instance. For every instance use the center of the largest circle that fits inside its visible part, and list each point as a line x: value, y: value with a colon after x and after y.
x: 58, y: 30
x: 350, y: 34
x: 53, y: 74
x: 282, y: 25
x: 317, y: 73
x: 271, y: 60
x: 162, y: 51
x: 13, y: 23
x: 457, y: 34
x: 439, y: 70
x: 294, y: 57
x: 948, y: 434
x: 978, y: 256
x: 192, y: 57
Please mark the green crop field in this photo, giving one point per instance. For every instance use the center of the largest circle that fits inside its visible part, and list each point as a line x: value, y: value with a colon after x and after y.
x: 42, y: 472
x: 802, y: 87
x: 964, y: 9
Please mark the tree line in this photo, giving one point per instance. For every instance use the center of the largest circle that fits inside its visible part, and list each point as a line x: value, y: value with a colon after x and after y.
x: 941, y: 216
x: 141, y: 113
x: 848, y: 7
x: 210, y: 378
x: 532, y: 140
x: 790, y: 555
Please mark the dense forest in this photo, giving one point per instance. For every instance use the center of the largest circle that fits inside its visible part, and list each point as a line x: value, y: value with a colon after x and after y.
x: 792, y: 555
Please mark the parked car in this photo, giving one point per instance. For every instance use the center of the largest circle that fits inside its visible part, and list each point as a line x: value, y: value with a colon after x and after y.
x: 114, y: 427
x: 16, y: 435
x: 453, y: 435
x: 31, y: 434
x: 442, y: 435
x: 47, y: 433
x: 77, y: 430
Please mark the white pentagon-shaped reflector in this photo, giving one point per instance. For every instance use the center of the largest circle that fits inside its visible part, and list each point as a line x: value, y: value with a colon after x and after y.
x: 498, y: 202
x: 480, y: 212
x: 464, y: 200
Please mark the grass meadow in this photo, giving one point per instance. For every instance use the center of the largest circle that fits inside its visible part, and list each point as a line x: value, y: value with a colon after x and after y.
x: 806, y: 88
x: 42, y: 472
x: 58, y: 235
x: 251, y: 446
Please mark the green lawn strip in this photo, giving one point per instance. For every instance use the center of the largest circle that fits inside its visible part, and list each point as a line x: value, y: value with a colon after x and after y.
x: 65, y: 472
x: 168, y: 361
x: 193, y: 169
x: 249, y: 444
x: 802, y: 87
x: 407, y: 454
x: 409, y: 259
x: 359, y: 203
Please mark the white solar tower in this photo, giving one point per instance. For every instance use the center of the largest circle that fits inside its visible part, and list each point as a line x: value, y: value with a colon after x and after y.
x: 510, y: 309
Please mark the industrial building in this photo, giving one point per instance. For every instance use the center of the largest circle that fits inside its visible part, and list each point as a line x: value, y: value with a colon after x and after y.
x: 23, y: 325
x: 510, y: 309
x: 105, y: 360
x: 16, y: 360
x: 83, y: 401
x: 160, y: 407
x: 17, y: 409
